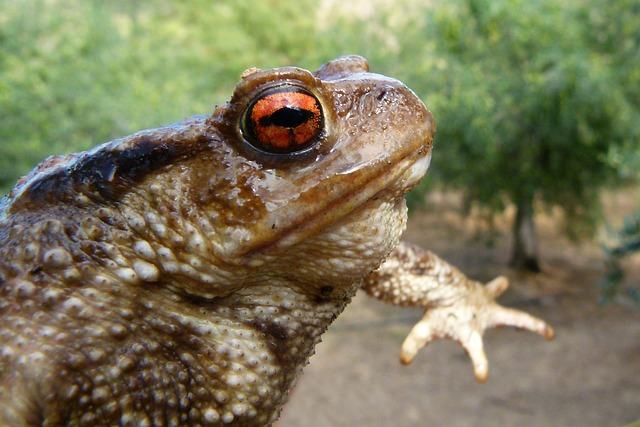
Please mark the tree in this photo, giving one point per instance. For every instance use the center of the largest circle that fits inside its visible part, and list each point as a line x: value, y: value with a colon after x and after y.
x: 627, y: 243
x: 622, y: 39
x: 547, y: 109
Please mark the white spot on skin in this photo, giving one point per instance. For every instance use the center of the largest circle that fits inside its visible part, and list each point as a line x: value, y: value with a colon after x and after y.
x: 36, y: 357
x: 24, y: 289
x: 118, y: 331
x: 233, y: 380
x: 47, y: 332
x: 207, y: 279
x: 126, y: 419
x: 125, y: 363
x: 100, y: 394
x: 171, y: 267
x: 144, y: 249
x: 196, y: 242
x: 96, y: 354
x: 71, y: 274
x: 187, y: 359
x: 87, y: 418
x: 160, y: 230
x: 73, y: 304
x: 105, y: 214
x: 114, y: 373
x: 127, y: 274
x: 187, y: 270
x: 82, y: 200
x: 195, y: 262
x: 256, y: 262
x: 221, y: 396
x: 52, y: 295
x: 57, y: 257
x: 147, y: 272
x: 239, y: 409
x: 72, y: 391
x: 166, y: 253
x: 31, y: 251
x: 100, y: 280
x: 135, y: 220
x: 210, y: 415
x: 158, y: 396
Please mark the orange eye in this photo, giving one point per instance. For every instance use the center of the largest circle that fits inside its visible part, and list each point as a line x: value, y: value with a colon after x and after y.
x: 284, y: 119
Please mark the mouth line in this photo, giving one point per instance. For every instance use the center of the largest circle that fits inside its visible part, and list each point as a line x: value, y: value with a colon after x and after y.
x: 379, y: 182
x: 418, y: 171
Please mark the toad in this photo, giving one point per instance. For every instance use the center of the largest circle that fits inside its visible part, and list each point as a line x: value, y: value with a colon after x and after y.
x: 183, y: 275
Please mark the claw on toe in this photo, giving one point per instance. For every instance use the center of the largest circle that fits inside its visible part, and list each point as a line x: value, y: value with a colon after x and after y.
x: 406, y: 359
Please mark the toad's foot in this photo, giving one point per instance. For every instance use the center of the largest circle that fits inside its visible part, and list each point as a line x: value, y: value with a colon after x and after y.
x: 465, y: 321
x: 456, y: 307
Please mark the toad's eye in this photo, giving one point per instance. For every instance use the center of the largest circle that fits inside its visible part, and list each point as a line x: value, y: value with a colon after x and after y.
x: 284, y: 119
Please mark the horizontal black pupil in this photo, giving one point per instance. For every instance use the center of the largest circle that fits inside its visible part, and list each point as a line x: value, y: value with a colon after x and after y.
x: 287, y: 117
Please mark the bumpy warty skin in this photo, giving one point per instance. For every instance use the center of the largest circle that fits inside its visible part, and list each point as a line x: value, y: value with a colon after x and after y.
x: 178, y: 276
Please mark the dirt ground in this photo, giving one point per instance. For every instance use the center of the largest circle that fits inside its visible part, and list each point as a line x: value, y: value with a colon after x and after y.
x: 588, y: 376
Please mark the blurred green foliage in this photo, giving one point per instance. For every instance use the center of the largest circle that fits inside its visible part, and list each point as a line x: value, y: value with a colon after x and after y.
x: 531, y: 105
x: 533, y: 99
x: 75, y: 73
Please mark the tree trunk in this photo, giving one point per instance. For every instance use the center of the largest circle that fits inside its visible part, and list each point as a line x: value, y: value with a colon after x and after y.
x: 525, y: 242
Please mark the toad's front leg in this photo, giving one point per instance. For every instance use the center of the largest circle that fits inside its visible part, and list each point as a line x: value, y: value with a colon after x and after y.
x: 456, y: 307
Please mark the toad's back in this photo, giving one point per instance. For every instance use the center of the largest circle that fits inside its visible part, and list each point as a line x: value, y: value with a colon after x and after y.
x: 183, y: 275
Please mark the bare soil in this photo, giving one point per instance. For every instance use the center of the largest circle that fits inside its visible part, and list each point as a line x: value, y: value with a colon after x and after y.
x: 588, y: 376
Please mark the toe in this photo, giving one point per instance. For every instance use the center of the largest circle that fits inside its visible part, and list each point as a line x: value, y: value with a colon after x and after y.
x: 497, y: 286
x: 475, y: 348
x: 518, y: 319
x: 419, y: 336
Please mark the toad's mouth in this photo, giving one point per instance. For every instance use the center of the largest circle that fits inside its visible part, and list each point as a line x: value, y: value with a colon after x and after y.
x: 417, y: 171
x: 388, y: 182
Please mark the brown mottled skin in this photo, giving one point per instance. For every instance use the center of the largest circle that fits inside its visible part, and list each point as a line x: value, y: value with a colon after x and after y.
x: 179, y: 276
